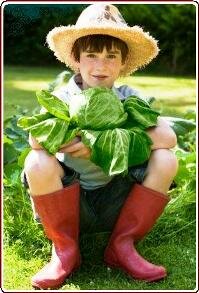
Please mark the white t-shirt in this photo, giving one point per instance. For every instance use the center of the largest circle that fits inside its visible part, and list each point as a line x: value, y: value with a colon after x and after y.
x: 91, y: 176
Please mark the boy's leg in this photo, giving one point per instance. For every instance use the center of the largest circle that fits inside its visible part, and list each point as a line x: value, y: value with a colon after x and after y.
x: 144, y: 205
x: 43, y: 173
x: 161, y: 170
x: 58, y: 210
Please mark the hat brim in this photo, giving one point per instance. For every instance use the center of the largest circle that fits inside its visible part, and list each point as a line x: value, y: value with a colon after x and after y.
x: 142, y: 47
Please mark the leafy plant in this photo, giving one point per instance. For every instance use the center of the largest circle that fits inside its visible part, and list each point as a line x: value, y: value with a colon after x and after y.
x: 113, y: 130
x: 181, y: 126
x: 180, y: 214
x: 15, y: 140
x: 15, y: 150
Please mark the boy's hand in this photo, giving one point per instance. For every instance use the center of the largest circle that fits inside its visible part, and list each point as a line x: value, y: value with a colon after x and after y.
x: 76, y: 149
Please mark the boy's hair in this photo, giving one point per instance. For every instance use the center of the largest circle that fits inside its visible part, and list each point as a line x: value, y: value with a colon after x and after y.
x: 97, y: 43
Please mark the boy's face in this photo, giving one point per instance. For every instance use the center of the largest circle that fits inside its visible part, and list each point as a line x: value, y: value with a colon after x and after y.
x: 100, y: 69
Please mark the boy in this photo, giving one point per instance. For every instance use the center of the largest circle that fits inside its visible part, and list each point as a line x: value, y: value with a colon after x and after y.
x: 99, y: 48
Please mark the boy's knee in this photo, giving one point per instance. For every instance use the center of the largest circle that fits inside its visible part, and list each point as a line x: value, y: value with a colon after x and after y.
x: 38, y: 163
x: 165, y: 161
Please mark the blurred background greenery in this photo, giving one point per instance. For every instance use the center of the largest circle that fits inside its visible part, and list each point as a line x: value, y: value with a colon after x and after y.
x: 174, y: 25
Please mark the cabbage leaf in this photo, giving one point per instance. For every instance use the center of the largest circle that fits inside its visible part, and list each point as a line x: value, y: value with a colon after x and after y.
x: 140, y: 111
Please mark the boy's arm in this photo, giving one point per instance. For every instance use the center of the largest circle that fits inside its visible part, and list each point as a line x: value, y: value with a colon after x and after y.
x: 75, y: 148
x: 162, y: 135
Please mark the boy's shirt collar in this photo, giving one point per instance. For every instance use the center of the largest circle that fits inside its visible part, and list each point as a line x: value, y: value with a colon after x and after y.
x: 75, y: 83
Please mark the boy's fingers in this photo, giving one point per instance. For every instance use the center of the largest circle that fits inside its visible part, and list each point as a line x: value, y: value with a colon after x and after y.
x: 83, y: 153
x: 74, y: 141
x: 73, y: 148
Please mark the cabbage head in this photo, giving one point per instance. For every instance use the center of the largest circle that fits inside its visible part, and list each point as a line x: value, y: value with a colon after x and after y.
x: 114, y: 130
x: 97, y: 109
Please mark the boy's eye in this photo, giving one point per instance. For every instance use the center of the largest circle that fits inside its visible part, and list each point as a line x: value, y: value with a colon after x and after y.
x: 111, y: 56
x: 91, y: 55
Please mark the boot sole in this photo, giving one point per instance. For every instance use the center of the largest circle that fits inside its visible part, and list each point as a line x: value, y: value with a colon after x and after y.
x: 152, y: 279
x: 55, y: 287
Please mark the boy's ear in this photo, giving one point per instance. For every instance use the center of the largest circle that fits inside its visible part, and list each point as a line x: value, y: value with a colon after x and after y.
x: 122, y: 66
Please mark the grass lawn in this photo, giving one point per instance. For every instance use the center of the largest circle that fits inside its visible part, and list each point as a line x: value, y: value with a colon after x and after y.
x: 29, y: 249
x: 175, y: 94
x: 177, y: 254
x: 20, y: 85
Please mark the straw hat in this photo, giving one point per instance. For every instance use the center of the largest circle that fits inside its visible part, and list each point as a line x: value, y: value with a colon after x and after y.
x: 103, y: 18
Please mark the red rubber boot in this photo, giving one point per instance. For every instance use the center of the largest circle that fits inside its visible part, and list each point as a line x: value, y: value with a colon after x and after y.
x: 59, y: 214
x: 138, y: 215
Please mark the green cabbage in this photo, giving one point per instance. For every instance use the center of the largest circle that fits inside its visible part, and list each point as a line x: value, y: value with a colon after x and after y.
x: 114, y: 131
x: 97, y: 109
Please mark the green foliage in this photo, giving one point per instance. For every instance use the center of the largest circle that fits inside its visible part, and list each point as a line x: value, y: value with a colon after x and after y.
x: 172, y: 25
x: 180, y: 126
x: 15, y: 140
x: 15, y: 199
x: 180, y: 214
x: 31, y: 24
x: 187, y: 140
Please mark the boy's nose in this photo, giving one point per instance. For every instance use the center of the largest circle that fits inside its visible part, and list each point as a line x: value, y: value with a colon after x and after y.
x: 101, y: 63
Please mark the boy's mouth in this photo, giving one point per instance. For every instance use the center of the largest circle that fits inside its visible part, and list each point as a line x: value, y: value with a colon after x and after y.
x: 100, y: 77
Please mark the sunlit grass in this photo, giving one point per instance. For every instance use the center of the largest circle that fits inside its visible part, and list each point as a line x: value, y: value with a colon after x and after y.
x: 21, y: 83
x: 177, y: 92
x: 18, y: 276
x: 178, y: 255
x: 26, y: 85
